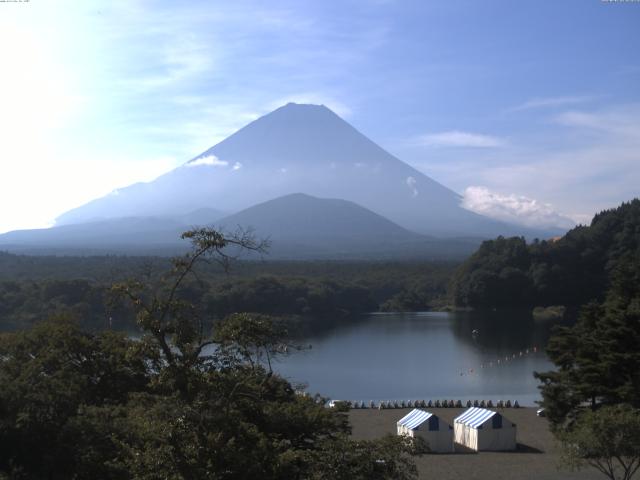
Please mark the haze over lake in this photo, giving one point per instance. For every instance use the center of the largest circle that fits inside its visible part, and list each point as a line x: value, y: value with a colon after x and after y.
x: 424, y: 355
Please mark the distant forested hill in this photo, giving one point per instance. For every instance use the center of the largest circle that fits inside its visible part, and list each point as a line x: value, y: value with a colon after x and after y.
x: 508, y: 272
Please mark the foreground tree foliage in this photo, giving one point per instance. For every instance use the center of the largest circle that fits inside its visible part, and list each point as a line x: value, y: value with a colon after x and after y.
x: 47, y: 376
x: 607, y: 439
x: 592, y: 399
x: 182, y: 402
x: 598, y: 359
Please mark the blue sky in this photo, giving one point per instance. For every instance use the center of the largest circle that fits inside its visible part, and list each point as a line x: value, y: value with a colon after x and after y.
x: 529, y: 109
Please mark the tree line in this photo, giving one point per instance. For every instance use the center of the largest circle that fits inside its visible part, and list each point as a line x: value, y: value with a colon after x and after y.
x: 570, y: 271
x: 592, y: 397
x: 286, y: 289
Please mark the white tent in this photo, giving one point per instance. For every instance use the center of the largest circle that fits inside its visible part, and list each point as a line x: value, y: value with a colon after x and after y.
x: 482, y: 429
x: 437, y: 434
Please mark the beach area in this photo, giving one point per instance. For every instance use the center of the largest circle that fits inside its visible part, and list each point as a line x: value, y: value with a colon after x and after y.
x: 537, y: 456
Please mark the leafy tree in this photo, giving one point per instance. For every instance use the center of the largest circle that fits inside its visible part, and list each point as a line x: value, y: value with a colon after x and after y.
x: 47, y: 376
x: 251, y: 339
x: 345, y: 459
x: 186, y: 401
x: 174, y: 324
x: 607, y: 439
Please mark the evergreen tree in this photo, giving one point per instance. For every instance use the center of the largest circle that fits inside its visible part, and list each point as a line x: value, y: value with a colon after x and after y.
x: 598, y: 359
x: 571, y: 271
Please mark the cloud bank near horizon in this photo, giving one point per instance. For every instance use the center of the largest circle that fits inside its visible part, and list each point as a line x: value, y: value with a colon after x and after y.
x: 513, y: 208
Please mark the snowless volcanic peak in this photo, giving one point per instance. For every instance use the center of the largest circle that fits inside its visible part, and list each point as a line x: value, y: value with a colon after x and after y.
x: 297, y: 148
x: 301, y: 217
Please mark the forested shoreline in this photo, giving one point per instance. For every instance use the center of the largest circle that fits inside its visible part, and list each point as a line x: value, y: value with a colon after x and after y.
x: 571, y: 271
x: 33, y: 289
x: 503, y: 273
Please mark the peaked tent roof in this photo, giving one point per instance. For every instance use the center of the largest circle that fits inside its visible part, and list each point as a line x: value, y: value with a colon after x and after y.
x: 415, y: 418
x: 474, y: 417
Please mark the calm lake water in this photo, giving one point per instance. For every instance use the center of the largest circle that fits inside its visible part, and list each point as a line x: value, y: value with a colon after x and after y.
x: 426, y: 355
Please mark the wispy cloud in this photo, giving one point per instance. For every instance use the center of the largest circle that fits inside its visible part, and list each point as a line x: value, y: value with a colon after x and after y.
x: 587, y: 161
x: 181, y: 63
x: 209, y: 161
x: 456, y: 138
x: 621, y: 122
x: 513, y: 208
x: 209, y: 71
x: 411, y: 183
x: 551, y: 102
x: 584, y: 161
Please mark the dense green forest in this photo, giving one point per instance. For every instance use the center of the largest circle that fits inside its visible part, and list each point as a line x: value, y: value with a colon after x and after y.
x: 182, y: 401
x: 505, y: 272
x: 598, y: 358
x: 592, y: 396
x: 570, y: 271
x: 35, y: 288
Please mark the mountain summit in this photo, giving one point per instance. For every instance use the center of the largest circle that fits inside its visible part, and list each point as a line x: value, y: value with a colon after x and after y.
x: 297, y: 148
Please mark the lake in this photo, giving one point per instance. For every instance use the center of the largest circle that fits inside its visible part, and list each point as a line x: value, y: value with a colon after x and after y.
x: 423, y: 355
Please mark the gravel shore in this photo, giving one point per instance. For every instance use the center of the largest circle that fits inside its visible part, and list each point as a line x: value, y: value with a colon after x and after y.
x: 537, y: 456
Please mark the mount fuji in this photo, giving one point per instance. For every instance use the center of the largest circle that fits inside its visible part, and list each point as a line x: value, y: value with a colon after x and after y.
x: 295, y: 149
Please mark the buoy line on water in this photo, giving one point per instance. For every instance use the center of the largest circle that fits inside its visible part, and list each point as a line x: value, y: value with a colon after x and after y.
x: 395, y: 404
x: 501, y: 361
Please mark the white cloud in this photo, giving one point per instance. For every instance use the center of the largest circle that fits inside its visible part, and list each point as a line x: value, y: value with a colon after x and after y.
x: 209, y: 160
x: 586, y: 161
x: 513, y: 208
x: 411, y: 183
x: 623, y: 123
x: 179, y: 62
x: 550, y: 102
x: 456, y: 138
x: 237, y: 166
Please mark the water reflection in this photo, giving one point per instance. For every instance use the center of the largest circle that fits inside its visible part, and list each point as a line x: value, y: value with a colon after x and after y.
x: 427, y: 355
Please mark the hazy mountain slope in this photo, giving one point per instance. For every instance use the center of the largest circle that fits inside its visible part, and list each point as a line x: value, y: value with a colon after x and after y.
x: 120, y: 235
x: 302, y: 226
x: 299, y: 227
x: 300, y: 217
x: 201, y: 216
x: 298, y: 148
